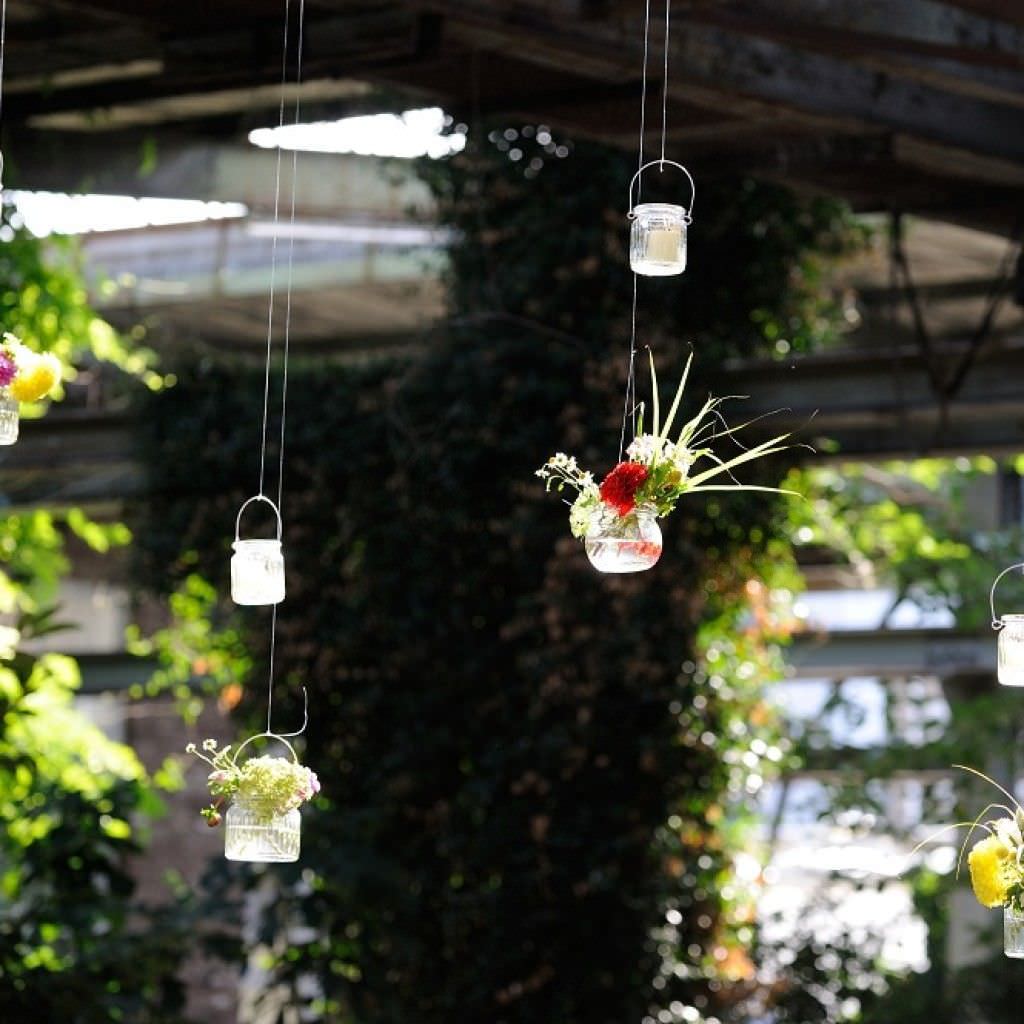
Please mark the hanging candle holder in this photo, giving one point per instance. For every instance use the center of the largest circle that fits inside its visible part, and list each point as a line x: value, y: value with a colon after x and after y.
x: 1010, y: 670
x: 257, y: 565
x: 657, y: 240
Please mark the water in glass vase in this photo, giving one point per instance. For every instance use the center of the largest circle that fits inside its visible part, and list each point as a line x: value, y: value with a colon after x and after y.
x: 9, y: 410
x: 1013, y: 933
x: 255, y: 834
x: 630, y: 543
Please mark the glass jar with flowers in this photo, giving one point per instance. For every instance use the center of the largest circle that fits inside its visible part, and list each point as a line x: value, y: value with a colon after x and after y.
x: 262, y: 823
x: 996, y: 862
x: 617, y: 519
x: 25, y: 376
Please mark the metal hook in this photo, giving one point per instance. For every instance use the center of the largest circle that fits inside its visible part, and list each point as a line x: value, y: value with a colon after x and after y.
x: 281, y: 737
x: 998, y: 623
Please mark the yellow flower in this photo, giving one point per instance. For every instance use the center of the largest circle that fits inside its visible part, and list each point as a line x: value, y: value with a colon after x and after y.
x: 38, y: 374
x: 993, y: 869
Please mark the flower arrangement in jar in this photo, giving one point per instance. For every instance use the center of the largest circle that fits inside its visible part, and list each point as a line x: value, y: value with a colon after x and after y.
x: 25, y: 376
x: 996, y: 862
x: 262, y: 822
x: 617, y: 519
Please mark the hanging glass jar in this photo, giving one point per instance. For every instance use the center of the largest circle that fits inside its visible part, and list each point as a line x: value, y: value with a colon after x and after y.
x: 9, y: 412
x: 629, y: 543
x: 255, y: 829
x: 657, y: 240
x: 1013, y: 932
x: 254, y: 832
x: 1010, y: 661
x: 257, y: 566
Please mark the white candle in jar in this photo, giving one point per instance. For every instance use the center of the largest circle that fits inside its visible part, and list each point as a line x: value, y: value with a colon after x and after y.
x: 663, y: 244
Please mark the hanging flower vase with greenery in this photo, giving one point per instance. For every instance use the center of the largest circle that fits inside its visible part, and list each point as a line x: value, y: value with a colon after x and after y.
x: 617, y: 519
x: 996, y: 862
x: 262, y: 822
x: 25, y: 376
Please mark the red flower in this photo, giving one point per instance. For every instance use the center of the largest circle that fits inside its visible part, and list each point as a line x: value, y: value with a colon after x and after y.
x: 619, y: 487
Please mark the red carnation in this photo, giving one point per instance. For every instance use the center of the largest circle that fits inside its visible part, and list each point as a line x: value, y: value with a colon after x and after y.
x: 619, y: 487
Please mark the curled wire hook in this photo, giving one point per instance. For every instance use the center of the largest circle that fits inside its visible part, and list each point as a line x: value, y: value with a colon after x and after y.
x: 281, y: 737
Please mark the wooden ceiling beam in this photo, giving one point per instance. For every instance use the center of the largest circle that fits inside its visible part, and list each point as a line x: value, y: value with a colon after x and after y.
x: 1011, y: 11
x: 710, y: 65
x: 954, y: 51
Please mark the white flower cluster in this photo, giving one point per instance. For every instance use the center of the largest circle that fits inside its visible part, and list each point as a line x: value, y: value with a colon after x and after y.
x: 562, y: 469
x: 648, y: 449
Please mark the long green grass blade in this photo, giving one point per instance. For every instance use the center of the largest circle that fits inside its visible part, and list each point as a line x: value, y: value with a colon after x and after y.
x: 743, y: 487
x: 757, y: 452
x: 656, y: 401
x: 679, y: 397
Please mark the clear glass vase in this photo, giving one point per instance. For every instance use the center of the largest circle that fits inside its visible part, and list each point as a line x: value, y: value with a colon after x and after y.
x: 8, y: 417
x: 657, y: 240
x: 253, y: 832
x: 629, y: 543
x: 1010, y: 670
x: 257, y: 572
x: 1013, y: 933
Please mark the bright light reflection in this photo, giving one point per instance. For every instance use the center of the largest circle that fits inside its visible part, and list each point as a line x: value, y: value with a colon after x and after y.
x: 49, y: 213
x: 412, y: 134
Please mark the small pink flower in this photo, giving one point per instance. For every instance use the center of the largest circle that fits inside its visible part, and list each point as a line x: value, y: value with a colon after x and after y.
x: 8, y: 369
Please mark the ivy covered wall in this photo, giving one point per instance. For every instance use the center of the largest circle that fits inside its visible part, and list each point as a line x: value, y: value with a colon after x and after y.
x: 534, y: 777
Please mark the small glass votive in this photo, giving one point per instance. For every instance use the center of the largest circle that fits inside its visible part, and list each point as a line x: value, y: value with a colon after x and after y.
x: 1010, y: 664
x: 657, y: 241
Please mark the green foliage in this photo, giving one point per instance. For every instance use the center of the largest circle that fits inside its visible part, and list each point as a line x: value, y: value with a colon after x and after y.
x: 199, y: 652
x: 906, y: 525
x: 74, y: 946
x: 534, y: 776
x: 43, y: 301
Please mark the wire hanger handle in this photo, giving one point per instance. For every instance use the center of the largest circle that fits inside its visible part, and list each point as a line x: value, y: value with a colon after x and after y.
x: 996, y: 622
x: 268, y: 734
x: 687, y: 213
x: 246, y: 504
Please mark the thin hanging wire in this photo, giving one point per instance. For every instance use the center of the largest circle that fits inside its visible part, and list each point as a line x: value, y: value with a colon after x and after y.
x: 3, y: 54
x: 273, y: 252
x: 629, y: 406
x: 664, y: 84
x: 287, y: 318
x: 291, y: 258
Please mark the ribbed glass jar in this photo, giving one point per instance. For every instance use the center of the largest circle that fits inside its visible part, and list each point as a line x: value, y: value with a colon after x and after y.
x: 629, y: 543
x: 1013, y: 933
x: 1010, y: 671
x: 257, y: 572
x: 252, y: 832
x: 657, y: 240
x: 8, y: 417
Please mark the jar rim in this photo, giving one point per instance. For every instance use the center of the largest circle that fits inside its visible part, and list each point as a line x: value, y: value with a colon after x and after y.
x: 256, y: 542
x: 674, y: 208
x: 1016, y: 617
